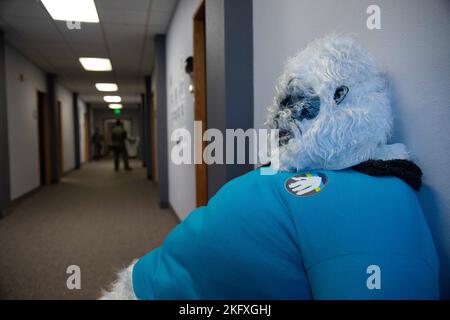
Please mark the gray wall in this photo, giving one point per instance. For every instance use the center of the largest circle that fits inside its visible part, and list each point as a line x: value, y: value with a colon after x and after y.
x: 147, y: 106
x: 412, y: 47
x: 4, y: 149
x: 215, y: 83
x: 229, y: 77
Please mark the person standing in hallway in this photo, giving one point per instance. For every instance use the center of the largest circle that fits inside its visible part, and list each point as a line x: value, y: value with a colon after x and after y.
x: 119, y: 135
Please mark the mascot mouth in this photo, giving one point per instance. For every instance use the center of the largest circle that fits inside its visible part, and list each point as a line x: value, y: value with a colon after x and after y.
x: 285, y: 136
x: 293, y: 109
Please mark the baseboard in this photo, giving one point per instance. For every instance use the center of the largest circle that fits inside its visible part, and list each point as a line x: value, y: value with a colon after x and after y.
x: 10, y: 206
x: 69, y: 171
x: 6, y: 211
x: 26, y: 195
x: 165, y: 205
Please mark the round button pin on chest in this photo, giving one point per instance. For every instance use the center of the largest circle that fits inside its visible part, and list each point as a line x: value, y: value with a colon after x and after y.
x: 306, y: 184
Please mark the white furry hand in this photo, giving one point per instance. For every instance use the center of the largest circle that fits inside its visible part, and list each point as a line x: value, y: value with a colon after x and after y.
x: 122, y: 288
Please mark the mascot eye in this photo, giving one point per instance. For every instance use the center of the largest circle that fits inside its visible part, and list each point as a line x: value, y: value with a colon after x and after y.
x: 340, y: 94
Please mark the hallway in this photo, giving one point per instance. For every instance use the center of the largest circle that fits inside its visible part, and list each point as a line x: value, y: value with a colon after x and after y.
x: 200, y: 94
x: 95, y: 218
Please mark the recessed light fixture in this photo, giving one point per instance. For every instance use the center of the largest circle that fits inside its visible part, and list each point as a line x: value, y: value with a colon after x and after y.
x: 96, y: 64
x: 115, y: 106
x: 106, y: 87
x: 112, y: 99
x: 72, y: 10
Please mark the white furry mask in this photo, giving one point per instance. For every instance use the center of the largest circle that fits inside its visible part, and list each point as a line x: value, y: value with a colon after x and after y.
x: 332, y: 108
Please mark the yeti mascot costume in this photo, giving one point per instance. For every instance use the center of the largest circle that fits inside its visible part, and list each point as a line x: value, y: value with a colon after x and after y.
x: 341, y: 219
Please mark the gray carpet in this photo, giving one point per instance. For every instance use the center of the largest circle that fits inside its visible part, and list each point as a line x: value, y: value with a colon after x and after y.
x: 95, y: 218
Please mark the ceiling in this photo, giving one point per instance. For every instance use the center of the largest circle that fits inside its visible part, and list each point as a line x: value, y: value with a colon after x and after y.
x: 124, y: 35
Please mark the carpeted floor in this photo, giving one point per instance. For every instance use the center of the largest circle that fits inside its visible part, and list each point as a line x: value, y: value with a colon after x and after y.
x: 95, y: 218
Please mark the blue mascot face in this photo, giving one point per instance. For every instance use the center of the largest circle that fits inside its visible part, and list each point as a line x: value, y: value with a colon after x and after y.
x: 331, y: 108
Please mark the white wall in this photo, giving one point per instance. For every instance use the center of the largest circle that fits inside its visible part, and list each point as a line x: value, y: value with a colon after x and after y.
x: 22, y: 121
x: 68, y: 139
x: 23, y: 134
x: 412, y: 48
x: 180, y: 103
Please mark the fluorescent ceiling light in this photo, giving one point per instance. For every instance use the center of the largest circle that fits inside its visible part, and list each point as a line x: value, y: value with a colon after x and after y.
x: 115, y: 106
x: 72, y: 10
x: 112, y: 99
x: 107, y: 87
x: 96, y: 64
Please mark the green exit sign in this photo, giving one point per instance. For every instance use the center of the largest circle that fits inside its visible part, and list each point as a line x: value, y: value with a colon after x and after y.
x: 117, y: 112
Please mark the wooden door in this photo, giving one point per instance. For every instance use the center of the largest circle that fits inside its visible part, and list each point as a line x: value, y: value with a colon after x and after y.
x: 43, y: 118
x: 200, y: 100
x: 59, y: 139
x: 86, y: 137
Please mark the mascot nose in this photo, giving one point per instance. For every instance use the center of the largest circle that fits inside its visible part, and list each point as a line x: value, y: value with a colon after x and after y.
x: 302, y: 106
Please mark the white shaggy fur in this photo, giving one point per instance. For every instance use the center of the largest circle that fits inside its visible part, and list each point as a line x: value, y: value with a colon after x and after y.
x: 122, y: 288
x: 341, y: 135
x: 344, y: 134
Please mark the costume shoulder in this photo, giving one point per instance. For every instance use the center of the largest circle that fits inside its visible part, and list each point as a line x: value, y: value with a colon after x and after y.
x: 240, y: 246
x: 296, y: 236
x: 356, y: 221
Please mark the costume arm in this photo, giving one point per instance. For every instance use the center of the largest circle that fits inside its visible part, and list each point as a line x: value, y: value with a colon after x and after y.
x: 162, y: 273
x: 373, y: 276
x: 378, y: 247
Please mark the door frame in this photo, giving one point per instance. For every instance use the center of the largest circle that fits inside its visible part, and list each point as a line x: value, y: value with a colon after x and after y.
x: 201, y: 169
x: 154, y: 136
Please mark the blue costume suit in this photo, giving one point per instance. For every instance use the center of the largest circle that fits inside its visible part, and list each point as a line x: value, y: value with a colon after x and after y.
x: 353, y: 236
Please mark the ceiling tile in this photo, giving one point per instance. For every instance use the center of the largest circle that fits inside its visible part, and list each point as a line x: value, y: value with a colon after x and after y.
x: 32, y: 28
x: 123, y: 35
x: 23, y: 8
x: 160, y: 18
x: 136, y: 5
x: 120, y: 16
x: 163, y: 5
x: 124, y: 31
x: 87, y: 34
x: 157, y: 29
